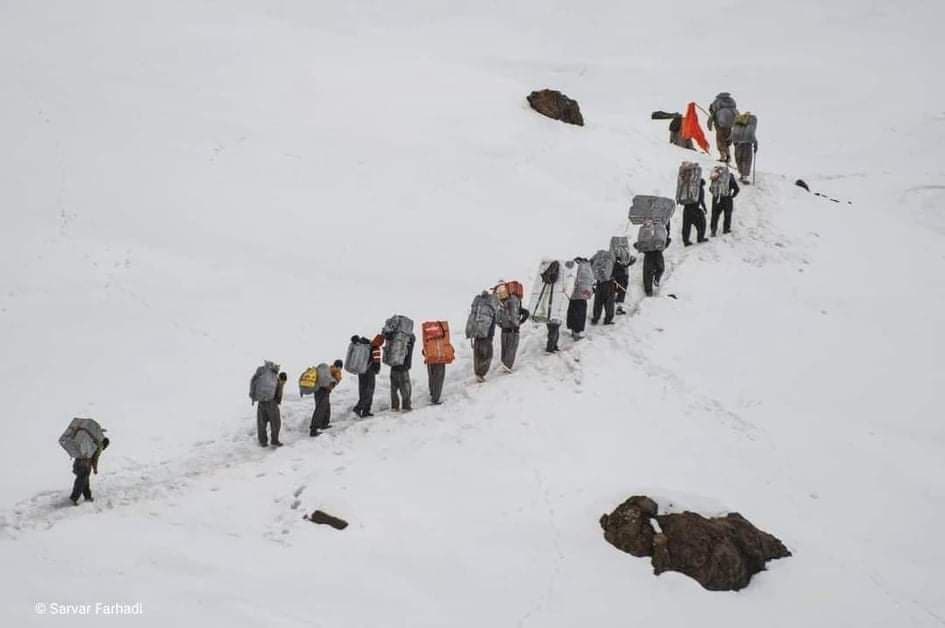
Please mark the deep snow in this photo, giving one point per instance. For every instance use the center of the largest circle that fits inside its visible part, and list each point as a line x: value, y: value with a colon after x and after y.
x: 189, y: 188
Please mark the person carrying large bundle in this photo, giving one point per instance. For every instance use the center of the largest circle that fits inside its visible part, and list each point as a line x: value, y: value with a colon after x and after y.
x: 437, y: 353
x: 623, y: 260
x: 398, y: 355
x: 583, y: 291
x: 550, y: 299
x: 724, y: 190
x: 325, y: 379
x: 265, y: 390
x: 603, y: 264
x: 690, y: 193
x: 653, y: 214
x: 364, y: 360
x: 722, y: 114
x: 84, y: 440
x: 480, y: 330
x: 744, y: 136
x: 509, y: 316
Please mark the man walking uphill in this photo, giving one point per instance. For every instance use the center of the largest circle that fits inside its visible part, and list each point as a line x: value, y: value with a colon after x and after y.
x: 694, y: 216
x: 367, y: 380
x: 321, y: 417
x: 722, y: 114
x: 401, y: 389
x: 265, y: 390
x: 744, y: 136
x: 83, y: 468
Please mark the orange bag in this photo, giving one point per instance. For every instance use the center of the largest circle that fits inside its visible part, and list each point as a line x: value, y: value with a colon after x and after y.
x: 517, y: 289
x: 437, y: 348
x: 508, y: 288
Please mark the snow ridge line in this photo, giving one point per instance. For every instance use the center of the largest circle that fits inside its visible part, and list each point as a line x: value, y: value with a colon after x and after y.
x: 131, y: 484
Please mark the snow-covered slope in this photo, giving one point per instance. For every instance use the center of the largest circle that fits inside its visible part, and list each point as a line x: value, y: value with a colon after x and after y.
x: 192, y: 187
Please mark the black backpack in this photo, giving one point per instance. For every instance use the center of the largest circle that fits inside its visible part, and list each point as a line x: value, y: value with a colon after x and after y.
x: 550, y: 274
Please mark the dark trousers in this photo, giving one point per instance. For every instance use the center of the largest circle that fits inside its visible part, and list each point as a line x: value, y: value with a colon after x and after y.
x: 509, y: 347
x: 267, y: 412
x: 622, y: 280
x: 321, y: 417
x: 722, y: 206
x: 693, y: 215
x: 554, y: 330
x: 82, y: 469
x: 723, y: 139
x: 653, y: 268
x: 577, y: 315
x: 744, y: 154
x: 604, y: 301
x: 436, y: 374
x: 400, y: 389
x: 366, y: 383
x: 482, y: 356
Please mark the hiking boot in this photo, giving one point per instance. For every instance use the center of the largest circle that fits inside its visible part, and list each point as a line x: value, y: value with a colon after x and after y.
x: 262, y: 444
x: 313, y: 433
x: 74, y: 500
x: 594, y: 321
x: 277, y: 443
x: 408, y: 408
x: 366, y: 414
x: 687, y: 243
x: 701, y: 240
x: 608, y: 322
x: 620, y: 311
x: 436, y: 403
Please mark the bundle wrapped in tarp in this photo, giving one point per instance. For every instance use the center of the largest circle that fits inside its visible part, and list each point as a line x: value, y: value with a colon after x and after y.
x: 82, y: 438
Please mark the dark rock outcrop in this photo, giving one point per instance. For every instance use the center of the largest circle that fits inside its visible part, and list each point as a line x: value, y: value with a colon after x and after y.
x: 628, y: 527
x: 325, y: 519
x: 721, y: 553
x: 554, y: 104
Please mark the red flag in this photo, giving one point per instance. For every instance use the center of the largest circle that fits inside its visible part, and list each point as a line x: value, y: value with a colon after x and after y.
x: 691, y: 129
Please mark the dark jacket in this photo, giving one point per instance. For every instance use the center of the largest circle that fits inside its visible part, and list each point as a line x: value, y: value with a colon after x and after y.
x: 725, y: 202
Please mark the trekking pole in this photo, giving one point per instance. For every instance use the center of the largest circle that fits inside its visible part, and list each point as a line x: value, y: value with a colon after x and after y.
x: 754, y: 166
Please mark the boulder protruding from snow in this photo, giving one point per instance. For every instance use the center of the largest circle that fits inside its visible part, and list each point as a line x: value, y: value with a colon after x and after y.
x: 721, y: 553
x: 628, y: 528
x: 325, y: 519
x: 554, y: 104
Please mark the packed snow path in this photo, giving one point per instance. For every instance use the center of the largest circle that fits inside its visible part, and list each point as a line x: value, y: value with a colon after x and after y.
x: 123, y: 482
